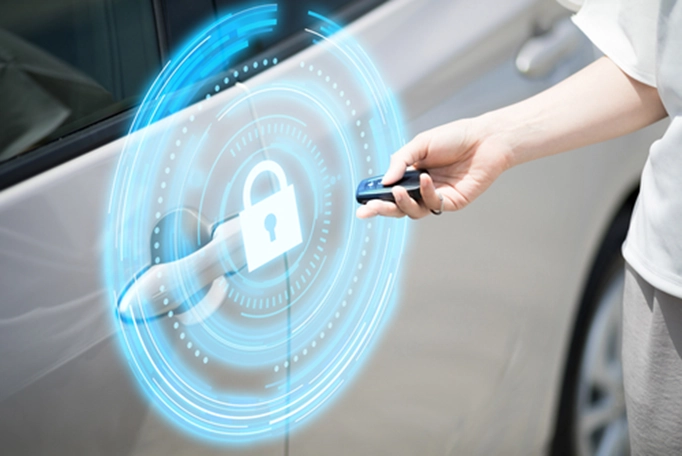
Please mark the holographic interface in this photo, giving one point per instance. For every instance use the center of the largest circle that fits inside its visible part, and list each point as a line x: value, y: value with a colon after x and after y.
x: 246, y: 293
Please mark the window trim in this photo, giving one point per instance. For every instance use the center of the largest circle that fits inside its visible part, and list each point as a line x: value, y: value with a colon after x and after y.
x: 162, y: 39
x: 81, y: 142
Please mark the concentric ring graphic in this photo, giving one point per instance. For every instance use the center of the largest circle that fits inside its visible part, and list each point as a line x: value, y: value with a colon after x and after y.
x: 228, y: 352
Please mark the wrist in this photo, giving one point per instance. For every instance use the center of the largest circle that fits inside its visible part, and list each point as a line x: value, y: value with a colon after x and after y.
x: 493, y: 130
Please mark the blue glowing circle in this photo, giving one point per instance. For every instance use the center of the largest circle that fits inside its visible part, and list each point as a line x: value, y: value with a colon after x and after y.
x: 274, y: 346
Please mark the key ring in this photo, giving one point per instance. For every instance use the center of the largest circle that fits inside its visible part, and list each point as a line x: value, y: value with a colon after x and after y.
x: 442, y: 203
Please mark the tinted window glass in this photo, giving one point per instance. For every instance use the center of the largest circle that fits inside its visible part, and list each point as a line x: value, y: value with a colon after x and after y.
x: 69, y: 63
x: 183, y: 20
x: 293, y: 18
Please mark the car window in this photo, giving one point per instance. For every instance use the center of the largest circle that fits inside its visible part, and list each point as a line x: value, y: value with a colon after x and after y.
x: 293, y: 18
x: 183, y: 19
x: 67, y: 64
x: 70, y: 64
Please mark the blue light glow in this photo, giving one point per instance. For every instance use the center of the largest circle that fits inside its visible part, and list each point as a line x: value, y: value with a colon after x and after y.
x: 284, y: 339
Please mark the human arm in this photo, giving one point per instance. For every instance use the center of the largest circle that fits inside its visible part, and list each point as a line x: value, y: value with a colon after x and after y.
x: 465, y: 157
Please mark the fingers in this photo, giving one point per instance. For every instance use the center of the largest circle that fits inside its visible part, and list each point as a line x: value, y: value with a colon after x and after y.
x: 404, y: 205
x: 407, y: 205
x: 430, y: 196
x: 377, y: 207
x: 408, y: 155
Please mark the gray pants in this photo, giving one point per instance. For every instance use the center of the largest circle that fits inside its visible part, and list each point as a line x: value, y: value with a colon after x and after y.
x: 652, y: 367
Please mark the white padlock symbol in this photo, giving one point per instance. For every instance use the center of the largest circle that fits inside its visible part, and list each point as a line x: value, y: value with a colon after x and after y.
x: 270, y: 227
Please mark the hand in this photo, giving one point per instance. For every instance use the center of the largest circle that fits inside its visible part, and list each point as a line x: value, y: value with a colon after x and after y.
x: 597, y: 103
x: 462, y: 162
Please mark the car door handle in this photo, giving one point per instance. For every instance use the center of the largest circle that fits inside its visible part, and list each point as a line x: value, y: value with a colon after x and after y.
x: 541, y: 54
x: 163, y: 287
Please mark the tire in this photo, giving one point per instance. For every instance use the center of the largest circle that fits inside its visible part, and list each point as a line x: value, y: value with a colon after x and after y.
x: 591, y: 418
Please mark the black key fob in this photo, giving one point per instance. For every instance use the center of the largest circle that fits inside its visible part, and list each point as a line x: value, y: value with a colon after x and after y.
x: 372, y: 188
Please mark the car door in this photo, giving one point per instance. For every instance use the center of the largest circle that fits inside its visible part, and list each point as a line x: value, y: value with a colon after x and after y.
x: 76, y: 72
x: 73, y: 74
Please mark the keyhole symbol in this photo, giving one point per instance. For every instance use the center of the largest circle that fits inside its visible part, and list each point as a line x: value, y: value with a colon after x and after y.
x: 270, y: 222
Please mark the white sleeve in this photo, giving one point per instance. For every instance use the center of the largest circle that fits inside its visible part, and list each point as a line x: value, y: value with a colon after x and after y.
x: 625, y: 31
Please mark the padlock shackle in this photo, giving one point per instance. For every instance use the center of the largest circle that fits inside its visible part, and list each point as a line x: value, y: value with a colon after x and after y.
x: 264, y: 166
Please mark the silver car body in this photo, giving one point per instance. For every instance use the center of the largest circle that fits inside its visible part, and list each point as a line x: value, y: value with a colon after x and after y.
x: 471, y: 361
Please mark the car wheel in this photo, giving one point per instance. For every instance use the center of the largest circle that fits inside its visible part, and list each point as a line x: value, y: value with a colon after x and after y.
x: 592, y: 418
x: 599, y: 423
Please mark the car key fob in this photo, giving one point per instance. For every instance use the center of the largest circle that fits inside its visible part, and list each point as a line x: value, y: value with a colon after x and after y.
x: 372, y: 188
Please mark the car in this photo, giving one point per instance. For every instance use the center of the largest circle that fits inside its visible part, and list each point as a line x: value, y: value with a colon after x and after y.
x: 506, y: 333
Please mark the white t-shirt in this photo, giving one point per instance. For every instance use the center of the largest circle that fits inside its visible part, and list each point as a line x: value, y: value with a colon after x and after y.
x: 644, y: 38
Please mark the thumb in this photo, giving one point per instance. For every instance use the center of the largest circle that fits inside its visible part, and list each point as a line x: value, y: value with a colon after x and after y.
x: 407, y: 155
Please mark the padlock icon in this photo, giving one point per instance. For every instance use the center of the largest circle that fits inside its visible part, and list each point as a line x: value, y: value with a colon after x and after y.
x: 270, y: 227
